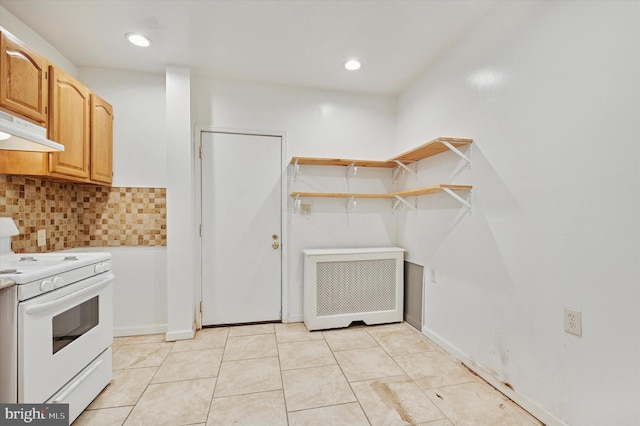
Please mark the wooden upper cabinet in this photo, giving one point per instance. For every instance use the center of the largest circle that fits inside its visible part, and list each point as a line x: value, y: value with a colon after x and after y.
x: 32, y: 88
x: 101, y: 140
x: 69, y: 115
x: 23, y: 77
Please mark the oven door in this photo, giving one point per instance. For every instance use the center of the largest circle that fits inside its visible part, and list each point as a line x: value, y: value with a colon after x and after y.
x: 60, y: 333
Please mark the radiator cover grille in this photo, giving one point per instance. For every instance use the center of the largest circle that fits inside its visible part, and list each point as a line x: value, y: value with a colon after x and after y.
x: 347, y: 287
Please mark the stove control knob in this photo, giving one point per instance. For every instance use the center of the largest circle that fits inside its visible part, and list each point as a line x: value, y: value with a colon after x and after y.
x: 102, y: 267
x: 46, y: 285
x: 58, y: 282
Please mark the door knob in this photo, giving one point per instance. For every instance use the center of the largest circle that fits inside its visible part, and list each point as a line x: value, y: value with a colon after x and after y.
x: 274, y: 236
x: 275, y: 245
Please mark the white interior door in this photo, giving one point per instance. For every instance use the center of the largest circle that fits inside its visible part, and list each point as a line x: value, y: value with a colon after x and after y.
x: 241, y: 228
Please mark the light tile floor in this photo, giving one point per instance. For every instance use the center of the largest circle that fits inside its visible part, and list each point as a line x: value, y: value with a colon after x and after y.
x: 282, y: 374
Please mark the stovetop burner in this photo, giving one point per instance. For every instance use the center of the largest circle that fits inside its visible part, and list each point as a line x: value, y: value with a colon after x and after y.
x: 34, y: 259
x: 23, y: 268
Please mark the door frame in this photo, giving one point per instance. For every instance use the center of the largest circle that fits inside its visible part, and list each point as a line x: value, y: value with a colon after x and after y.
x: 284, y: 241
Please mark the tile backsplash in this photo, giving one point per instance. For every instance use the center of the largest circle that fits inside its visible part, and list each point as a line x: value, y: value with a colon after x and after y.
x: 77, y: 215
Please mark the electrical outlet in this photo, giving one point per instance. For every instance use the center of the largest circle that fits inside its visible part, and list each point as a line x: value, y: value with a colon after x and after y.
x: 434, y: 278
x: 305, y: 209
x: 573, y: 321
x: 42, y: 237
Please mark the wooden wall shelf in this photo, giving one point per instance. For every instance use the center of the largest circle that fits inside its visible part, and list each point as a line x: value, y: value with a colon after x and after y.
x: 407, y: 193
x: 432, y: 190
x: 429, y: 149
x: 338, y: 195
x: 311, y: 161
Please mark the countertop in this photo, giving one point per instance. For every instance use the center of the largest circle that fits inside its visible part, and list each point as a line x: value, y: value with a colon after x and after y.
x: 5, y: 283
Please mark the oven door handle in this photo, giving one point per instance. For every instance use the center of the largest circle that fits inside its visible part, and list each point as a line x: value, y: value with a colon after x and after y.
x: 48, y: 306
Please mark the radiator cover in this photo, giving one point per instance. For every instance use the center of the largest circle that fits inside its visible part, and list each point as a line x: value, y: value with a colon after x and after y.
x: 346, y: 285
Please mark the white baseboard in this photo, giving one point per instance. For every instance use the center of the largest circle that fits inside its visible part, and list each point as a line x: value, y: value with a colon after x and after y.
x: 172, y: 336
x: 536, y: 410
x: 293, y: 318
x: 140, y: 330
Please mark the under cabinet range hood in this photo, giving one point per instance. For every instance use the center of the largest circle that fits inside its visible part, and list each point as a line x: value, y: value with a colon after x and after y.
x: 17, y: 134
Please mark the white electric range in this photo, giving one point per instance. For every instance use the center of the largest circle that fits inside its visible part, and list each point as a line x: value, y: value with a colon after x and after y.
x: 56, y: 324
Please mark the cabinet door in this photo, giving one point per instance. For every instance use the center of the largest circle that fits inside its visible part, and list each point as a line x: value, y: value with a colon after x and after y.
x: 23, y: 74
x: 69, y: 125
x: 101, y: 140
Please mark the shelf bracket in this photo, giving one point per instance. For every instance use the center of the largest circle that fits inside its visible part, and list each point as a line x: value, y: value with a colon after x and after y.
x: 394, y: 173
x: 296, y: 169
x: 350, y: 204
x: 459, y: 153
x: 464, y: 202
x: 352, y: 169
x: 401, y: 167
x: 405, y: 167
x: 398, y: 200
x: 296, y: 204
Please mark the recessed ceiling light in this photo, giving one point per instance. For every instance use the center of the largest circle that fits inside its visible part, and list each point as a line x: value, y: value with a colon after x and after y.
x: 352, y: 64
x: 138, y: 39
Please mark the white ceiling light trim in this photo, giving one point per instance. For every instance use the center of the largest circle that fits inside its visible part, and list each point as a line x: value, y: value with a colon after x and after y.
x: 352, y: 64
x: 138, y: 39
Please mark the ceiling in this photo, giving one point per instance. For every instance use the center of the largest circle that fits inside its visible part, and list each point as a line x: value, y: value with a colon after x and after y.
x: 293, y: 42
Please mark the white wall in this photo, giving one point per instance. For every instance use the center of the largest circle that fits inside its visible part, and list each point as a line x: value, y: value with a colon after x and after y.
x: 550, y: 93
x: 139, y: 290
x: 317, y: 123
x: 139, y: 160
x: 139, y: 129
x: 180, y: 206
x: 35, y: 41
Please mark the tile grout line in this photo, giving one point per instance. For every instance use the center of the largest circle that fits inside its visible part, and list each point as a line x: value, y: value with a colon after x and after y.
x: 284, y: 397
x: 426, y: 392
x: 421, y: 336
x: 144, y: 390
x: 345, y: 378
x: 213, y: 394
